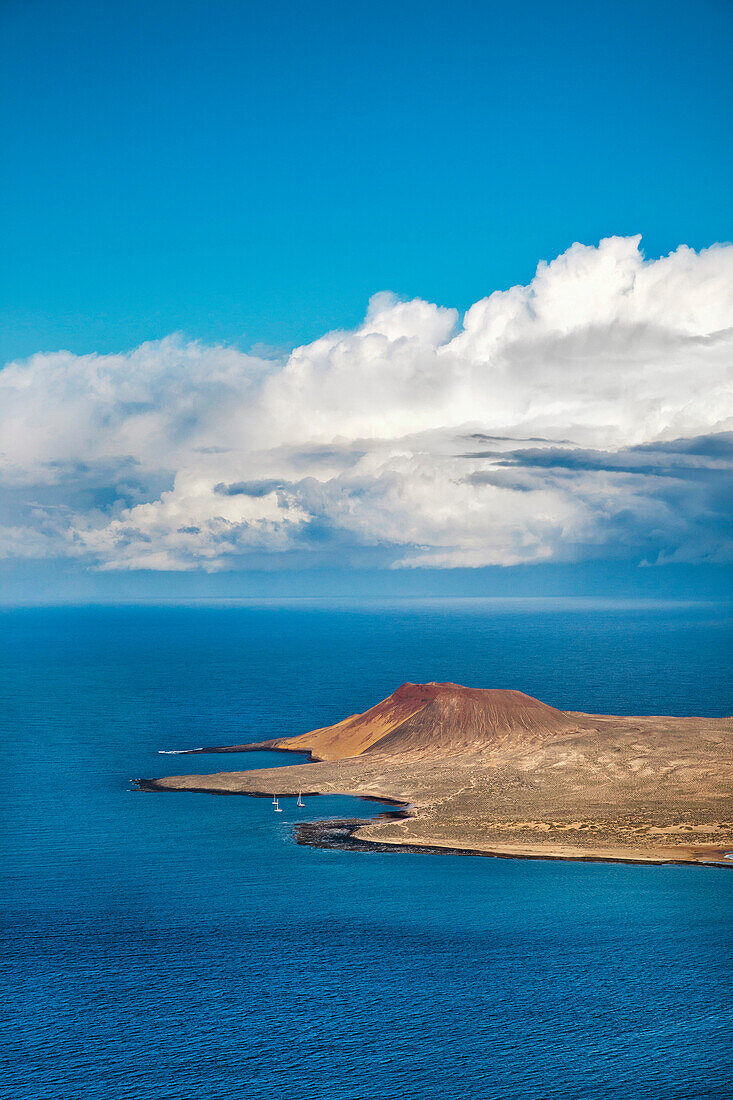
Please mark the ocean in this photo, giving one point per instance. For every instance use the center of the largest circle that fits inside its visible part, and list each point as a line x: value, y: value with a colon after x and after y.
x: 182, y: 945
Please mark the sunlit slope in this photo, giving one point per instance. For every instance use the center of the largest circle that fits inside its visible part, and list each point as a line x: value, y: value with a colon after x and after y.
x: 437, y: 720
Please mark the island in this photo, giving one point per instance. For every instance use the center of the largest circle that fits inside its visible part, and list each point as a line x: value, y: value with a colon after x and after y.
x: 498, y: 773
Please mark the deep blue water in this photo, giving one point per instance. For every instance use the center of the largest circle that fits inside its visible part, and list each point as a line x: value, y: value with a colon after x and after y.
x: 179, y: 945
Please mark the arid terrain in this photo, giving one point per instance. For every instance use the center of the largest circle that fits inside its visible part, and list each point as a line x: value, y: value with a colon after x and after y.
x: 496, y: 772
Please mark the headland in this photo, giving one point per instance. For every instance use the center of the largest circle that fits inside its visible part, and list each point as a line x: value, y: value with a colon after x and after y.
x: 498, y: 773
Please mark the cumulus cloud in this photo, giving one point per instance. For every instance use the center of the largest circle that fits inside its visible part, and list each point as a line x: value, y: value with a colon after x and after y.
x: 584, y: 414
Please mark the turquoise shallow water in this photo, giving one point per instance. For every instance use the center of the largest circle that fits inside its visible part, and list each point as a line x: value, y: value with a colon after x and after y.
x: 177, y: 945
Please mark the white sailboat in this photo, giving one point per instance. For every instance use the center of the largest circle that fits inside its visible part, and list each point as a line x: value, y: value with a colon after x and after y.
x: 274, y: 800
x: 278, y: 807
x: 300, y: 801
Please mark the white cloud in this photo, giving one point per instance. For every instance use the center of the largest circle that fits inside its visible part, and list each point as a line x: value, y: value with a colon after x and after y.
x: 178, y: 455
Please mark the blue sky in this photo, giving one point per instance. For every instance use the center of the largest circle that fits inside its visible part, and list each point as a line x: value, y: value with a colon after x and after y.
x: 495, y: 233
x: 254, y: 172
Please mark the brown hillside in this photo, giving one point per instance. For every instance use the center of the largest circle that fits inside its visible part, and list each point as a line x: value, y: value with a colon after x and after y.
x: 437, y: 720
